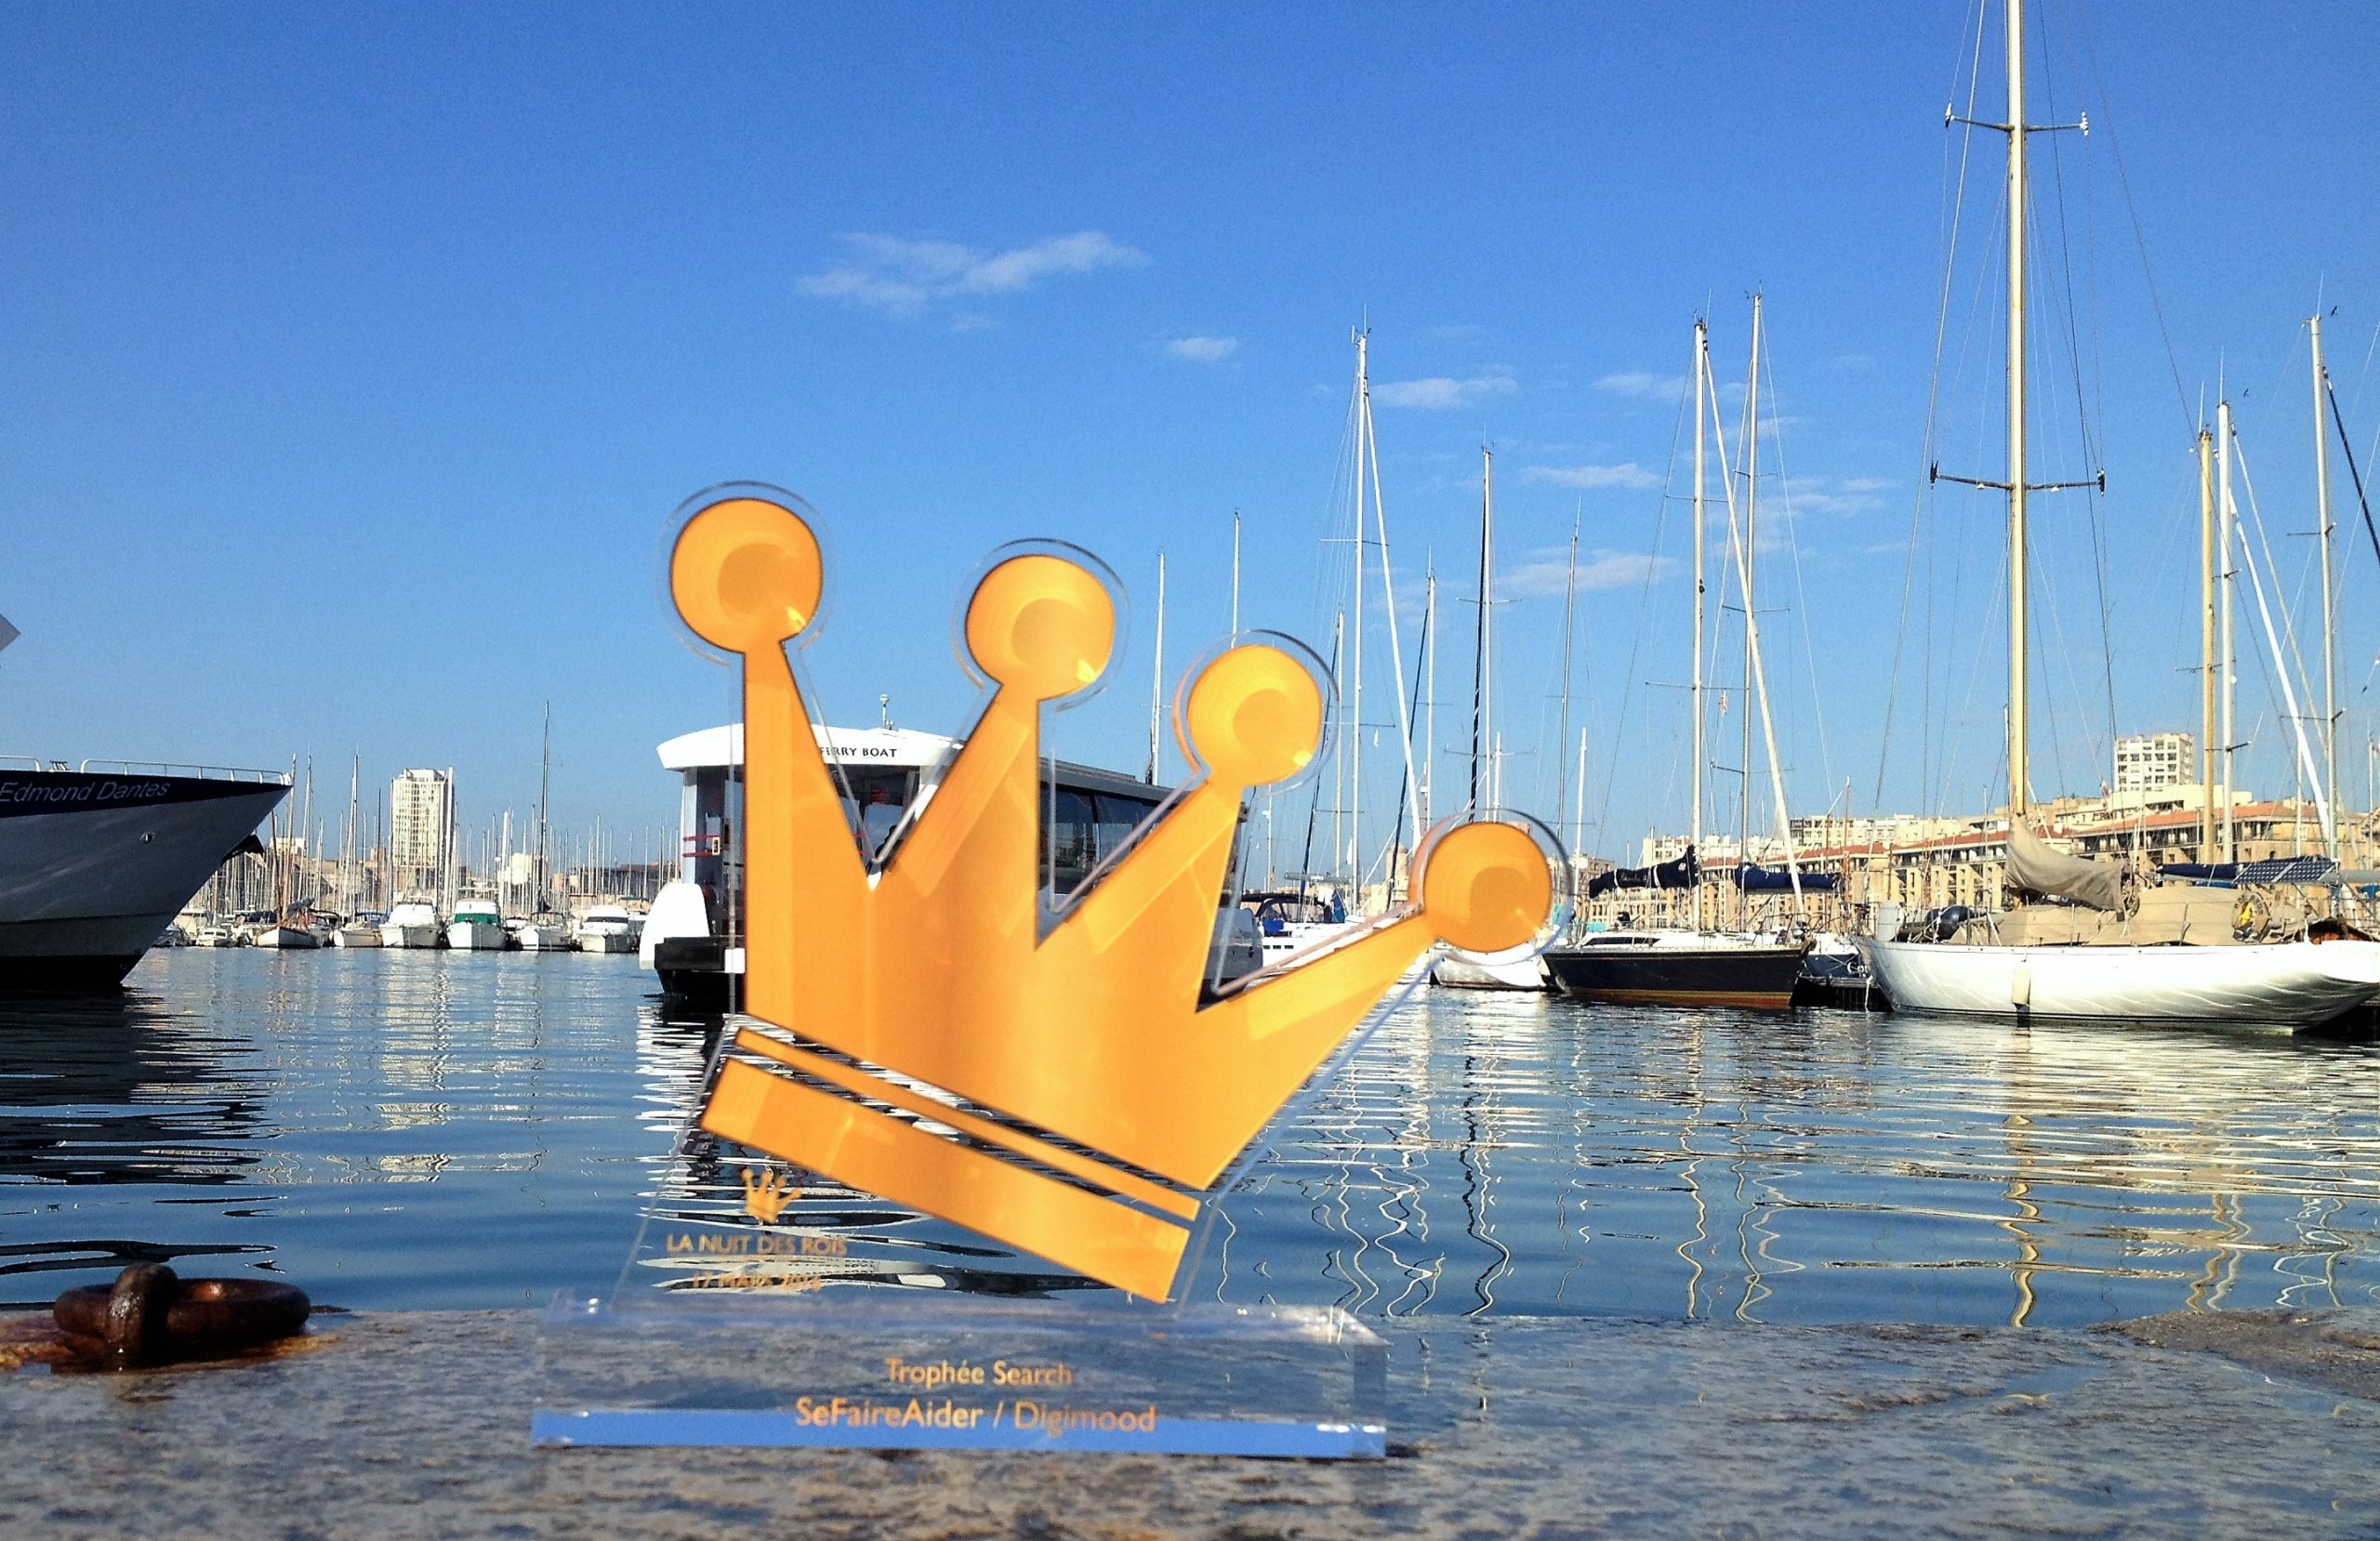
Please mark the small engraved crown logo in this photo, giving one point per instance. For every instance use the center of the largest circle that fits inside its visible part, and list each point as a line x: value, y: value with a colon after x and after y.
x: 766, y: 1196
x: 916, y: 1030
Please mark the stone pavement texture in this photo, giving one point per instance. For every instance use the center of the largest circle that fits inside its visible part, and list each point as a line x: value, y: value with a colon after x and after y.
x: 416, y: 1425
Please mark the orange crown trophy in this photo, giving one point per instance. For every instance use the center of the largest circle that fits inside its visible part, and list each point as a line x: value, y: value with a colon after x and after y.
x: 1084, y: 1095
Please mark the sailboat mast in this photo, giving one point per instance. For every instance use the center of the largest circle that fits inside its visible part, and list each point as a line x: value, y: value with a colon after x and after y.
x: 1579, y: 803
x: 1157, y: 670
x: 1479, y: 676
x: 1409, y: 797
x: 348, y: 904
x: 1355, y: 636
x: 1701, y: 409
x: 2206, y: 645
x: 1562, y: 732
x: 545, y: 787
x: 2226, y: 516
x: 1750, y: 440
x: 1234, y: 572
x: 2330, y: 625
x: 1430, y: 702
x: 2019, y: 777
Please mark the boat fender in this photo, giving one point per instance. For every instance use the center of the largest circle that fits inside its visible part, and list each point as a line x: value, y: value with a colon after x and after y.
x: 2021, y: 989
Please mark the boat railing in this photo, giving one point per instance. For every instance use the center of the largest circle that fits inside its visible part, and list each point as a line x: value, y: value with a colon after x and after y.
x: 160, y: 767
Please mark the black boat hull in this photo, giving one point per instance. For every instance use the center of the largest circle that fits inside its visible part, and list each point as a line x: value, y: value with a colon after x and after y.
x: 1760, y: 979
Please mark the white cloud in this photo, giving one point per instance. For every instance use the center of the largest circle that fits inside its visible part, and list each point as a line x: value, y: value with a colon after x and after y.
x: 1441, y: 393
x: 901, y: 276
x: 1626, y: 475
x: 1822, y: 494
x: 1203, y: 350
x: 1654, y: 388
x: 1549, y: 571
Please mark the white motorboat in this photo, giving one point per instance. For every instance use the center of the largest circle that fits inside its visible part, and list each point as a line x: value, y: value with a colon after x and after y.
x: 98, y: 859
x: 2287, y: 985
x: 411, y: 923
x: 216, y: 936
x: 359, y: 932
x: 1456, y: 972
x: 546, y: 932
x: 609, y: 928
x: 477, y: 926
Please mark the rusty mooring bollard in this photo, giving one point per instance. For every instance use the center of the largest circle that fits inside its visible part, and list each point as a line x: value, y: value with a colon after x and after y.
x: 150, y: 1316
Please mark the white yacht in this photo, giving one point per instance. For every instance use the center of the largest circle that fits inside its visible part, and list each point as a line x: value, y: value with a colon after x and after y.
x: 609, y: 928
x: 477, y: 926
x: 411, y: 923
x: 98, y: 858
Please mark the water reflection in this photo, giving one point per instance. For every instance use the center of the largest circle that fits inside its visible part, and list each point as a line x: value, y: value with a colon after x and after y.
x: 1534, y: 1157
x: 415, y: 1129
x: 115, y: 1090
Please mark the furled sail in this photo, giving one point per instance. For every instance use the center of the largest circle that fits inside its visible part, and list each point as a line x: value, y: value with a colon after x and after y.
x: 1679, y: 873
x: 2034, y: 865
x: 1755, y: 878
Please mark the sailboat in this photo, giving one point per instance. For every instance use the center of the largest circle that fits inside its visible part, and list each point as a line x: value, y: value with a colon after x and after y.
x: 1454, y: 970
x: 2042, y: 961
x: 1699, y: 967
x: 1325, y: 909
x: 546, y: 931
x: 361, y: 930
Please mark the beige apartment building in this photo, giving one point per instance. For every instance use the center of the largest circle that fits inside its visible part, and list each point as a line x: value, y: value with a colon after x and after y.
x: 1926, y: 862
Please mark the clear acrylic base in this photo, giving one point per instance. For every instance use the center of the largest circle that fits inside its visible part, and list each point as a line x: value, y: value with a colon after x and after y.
x: 965, y: 1373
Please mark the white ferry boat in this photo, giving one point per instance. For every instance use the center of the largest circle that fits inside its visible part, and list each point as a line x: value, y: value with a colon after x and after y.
x: 691, y: 938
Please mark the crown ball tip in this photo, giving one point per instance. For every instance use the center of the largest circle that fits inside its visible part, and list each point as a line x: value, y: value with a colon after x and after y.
x: 1041, y: 624
x: 1486, y: 887
x: 1255, y: 715
x: 746, y: 573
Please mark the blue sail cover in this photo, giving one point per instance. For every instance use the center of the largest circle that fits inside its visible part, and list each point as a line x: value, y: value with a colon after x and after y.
x: 1680, y: 873
x: 1755, y: 878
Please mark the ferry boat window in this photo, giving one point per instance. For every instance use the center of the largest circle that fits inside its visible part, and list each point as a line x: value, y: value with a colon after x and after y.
x: 1116, y: 818
x: 1073, y: 840
x: 876, y: 800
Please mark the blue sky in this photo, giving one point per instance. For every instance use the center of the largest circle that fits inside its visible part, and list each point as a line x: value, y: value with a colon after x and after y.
x: 357, y: 357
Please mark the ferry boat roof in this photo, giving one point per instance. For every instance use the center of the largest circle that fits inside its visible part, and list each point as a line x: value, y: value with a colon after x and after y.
x: 713, y: 747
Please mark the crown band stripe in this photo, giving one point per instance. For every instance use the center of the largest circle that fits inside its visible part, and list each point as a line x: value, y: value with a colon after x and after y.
x: 1105, y: 1238
x: 1113, y: 1172
x: 1052, y: 1157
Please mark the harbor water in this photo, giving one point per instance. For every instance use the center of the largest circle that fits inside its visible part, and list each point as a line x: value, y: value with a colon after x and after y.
x: 404, y: 1130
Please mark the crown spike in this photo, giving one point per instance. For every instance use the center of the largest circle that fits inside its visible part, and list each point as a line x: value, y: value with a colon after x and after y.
x: 748, y: 575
